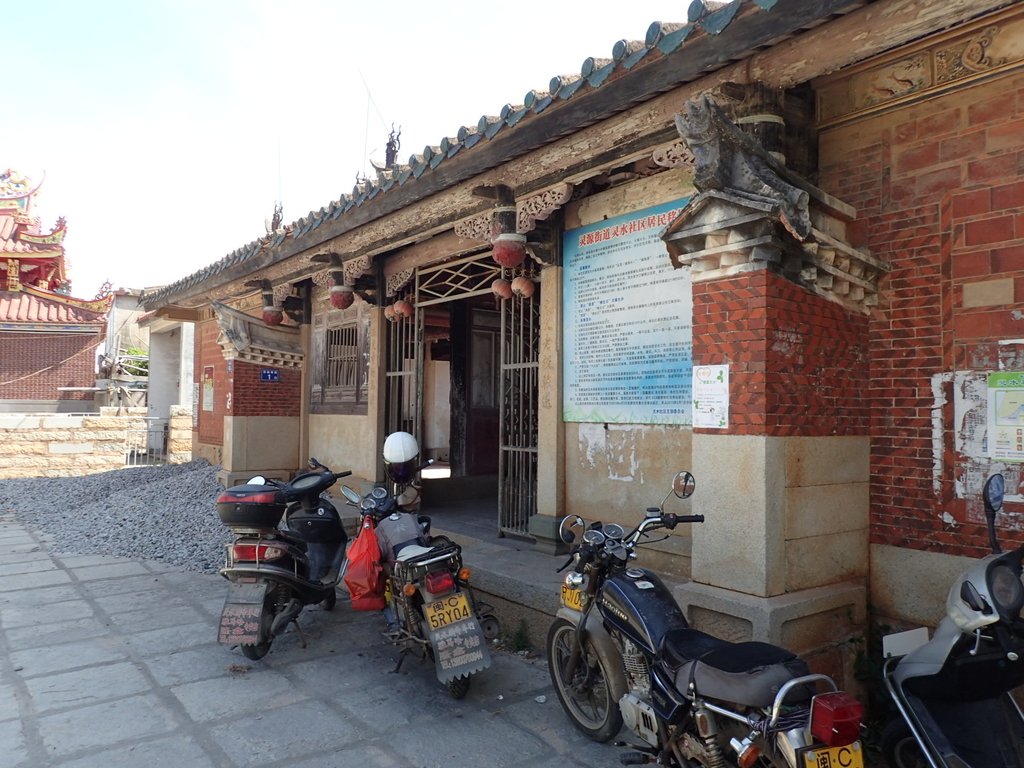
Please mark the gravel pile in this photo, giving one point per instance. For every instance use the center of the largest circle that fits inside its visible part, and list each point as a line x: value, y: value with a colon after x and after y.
x: 164, y: 513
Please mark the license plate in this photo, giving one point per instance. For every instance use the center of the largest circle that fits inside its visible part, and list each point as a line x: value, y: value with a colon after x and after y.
x: 241, y: 617
x: 850, y: 756
x: 572, y: 598
x: 447, y: 610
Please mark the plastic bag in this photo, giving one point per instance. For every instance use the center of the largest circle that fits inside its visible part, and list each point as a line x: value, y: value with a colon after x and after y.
x: 364, y: 575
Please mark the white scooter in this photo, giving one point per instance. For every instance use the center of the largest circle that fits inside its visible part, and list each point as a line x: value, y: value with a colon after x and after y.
x: 954, y: 690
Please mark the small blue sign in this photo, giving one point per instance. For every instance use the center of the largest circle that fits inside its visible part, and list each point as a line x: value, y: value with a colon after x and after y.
x: 270, y: 374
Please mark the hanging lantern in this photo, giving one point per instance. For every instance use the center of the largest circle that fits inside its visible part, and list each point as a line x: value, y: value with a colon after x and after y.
x: 502, y: 288
x: 523, y: 287
x: 389, y: 313
x: 403, y: 309
x: 509, y: 249
x: 342, y: 296
x: 272, y: 315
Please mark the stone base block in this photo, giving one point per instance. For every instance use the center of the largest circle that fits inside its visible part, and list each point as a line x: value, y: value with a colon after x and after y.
x: 822, y: 625
x: 544, y: 530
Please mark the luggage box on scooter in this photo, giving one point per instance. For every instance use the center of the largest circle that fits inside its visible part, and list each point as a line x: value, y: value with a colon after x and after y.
x: 251, y: 506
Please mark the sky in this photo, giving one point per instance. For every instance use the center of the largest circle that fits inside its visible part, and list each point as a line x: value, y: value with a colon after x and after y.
x: 165, y: 130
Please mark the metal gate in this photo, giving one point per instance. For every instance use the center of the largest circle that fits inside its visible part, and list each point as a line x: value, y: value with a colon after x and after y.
x: 520, y: 332
x: 520, y: 366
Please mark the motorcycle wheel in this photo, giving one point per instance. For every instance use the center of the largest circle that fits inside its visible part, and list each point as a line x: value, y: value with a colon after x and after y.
x: 586, y: 697
x: 459, y: 687
x: 900, y: 748
x: 259, y: 650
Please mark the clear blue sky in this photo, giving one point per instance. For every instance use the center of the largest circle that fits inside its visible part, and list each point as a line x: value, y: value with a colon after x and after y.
x: 167, y: 129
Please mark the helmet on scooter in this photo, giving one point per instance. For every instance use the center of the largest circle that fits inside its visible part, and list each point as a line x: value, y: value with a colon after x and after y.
x: 401, y: 457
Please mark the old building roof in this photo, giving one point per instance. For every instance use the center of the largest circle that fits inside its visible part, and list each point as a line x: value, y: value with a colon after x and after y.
x: 34, y: 307
x: 714, y: 35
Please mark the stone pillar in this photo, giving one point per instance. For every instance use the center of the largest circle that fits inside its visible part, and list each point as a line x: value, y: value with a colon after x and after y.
x: 550, y: 430
x: 781, y: 298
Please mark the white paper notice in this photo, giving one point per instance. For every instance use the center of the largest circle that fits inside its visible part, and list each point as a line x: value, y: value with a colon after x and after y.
x: 711, y: 396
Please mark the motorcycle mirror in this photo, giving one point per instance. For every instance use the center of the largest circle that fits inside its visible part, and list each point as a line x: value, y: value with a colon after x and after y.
x: 992, y: 495
x: 565, y: 532
x: 350, y: 496
x: 257, y: 480
x: 683, y: 485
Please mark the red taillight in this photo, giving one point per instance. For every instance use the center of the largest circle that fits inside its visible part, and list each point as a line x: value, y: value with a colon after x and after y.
x: 836, y: 718
x: 257, y: 552
x: 439, y: 582
x: 268, y: 497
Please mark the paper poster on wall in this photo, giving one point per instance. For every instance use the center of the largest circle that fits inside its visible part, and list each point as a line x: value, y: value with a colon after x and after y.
x: 627, y: 322
x: 711, y: 396
x: 208, y: 388
x: 1006, y: 416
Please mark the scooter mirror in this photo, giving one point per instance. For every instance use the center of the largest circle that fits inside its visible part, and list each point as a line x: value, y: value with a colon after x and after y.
x: 257, y: 480
x: 350, y: 495
x: 683, y: 485
x: 994, y: 491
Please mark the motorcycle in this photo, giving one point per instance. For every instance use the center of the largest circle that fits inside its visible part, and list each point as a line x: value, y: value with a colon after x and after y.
x: 953, y: 692
x: 430, y: 607
x: 277, y: 570
x: 620, y: 651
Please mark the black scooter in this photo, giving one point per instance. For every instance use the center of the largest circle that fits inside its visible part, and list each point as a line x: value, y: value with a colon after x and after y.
x: 953, y: 692
x: 277, y: 571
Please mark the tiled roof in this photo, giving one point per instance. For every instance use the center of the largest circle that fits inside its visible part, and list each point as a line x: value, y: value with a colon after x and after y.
x: 706, y: 20
x: 11, y: 242
x: 26, y: 308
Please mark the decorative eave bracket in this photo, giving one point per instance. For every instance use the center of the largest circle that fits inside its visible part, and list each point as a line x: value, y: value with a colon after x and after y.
x: 753, y: 213
x: 247, y: 338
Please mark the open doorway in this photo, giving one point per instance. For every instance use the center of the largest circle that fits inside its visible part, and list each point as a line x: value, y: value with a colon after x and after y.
x: 463, y: 378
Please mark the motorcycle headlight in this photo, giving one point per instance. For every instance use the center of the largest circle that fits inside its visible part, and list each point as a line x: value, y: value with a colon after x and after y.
x: 574, y: 580
x: 1006, y: 590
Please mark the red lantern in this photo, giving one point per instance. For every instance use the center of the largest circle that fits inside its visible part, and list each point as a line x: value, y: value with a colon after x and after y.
x: 502, y: 288
x: 272, y: 315
x: 403, y: 309
x: 342, y: 296
x: 509, y: 249
x: 523, y: 287
x: 389, y: 313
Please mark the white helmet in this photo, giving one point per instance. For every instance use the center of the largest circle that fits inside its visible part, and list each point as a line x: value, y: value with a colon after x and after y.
x: 400, y: 456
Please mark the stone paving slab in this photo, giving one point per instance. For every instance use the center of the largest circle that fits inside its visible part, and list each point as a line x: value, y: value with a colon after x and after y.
x: 113, y: 663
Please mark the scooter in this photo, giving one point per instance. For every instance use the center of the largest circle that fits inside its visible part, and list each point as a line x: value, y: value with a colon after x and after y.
x: 953, y: 692
x: 620, y: 651
x: 430, y: 608
x: 275, y: 571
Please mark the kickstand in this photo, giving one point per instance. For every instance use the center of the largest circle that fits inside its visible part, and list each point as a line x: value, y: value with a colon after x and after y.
x: 401, y: 657
x: 302, y: 635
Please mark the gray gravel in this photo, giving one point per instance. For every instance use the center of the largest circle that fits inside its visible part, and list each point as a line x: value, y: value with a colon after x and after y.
x: 165, y: 513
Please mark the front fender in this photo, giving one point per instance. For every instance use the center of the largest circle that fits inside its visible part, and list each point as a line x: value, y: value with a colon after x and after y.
x: 604, y: 647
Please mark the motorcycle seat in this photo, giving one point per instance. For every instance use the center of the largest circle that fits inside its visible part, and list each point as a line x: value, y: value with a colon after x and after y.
x: 749, y: 673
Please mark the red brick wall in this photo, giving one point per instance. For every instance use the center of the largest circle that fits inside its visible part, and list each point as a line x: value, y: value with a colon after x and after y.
x: 255, y: 397
x: 208, y: 354
x: 36, y: 364
x: 939, y: 192
x: 797, y: 361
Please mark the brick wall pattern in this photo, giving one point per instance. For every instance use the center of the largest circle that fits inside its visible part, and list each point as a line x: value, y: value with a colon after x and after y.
x: 797, y: 361
x: 37, y: 364
x: 939, y: 196
x: 252, y: 396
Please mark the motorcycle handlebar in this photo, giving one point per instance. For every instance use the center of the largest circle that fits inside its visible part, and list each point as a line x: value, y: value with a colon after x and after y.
x: 671, y: 520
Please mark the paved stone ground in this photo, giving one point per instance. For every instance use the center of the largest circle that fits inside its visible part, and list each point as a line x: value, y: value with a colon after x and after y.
x: 113, y: 663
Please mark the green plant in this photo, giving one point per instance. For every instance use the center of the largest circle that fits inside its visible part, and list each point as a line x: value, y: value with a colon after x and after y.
x: 867, y: 669
x: 519, y: 638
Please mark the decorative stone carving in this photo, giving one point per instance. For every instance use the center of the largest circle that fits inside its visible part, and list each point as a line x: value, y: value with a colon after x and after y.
x: 244, y: 337
x: 728, y: 158
x: 752, y: 213
x: 973, y: 51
